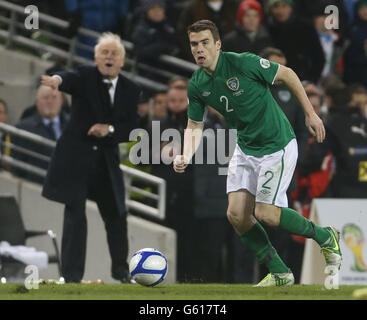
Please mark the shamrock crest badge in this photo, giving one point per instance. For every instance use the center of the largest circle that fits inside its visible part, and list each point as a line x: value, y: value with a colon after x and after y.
x: 233, y: 83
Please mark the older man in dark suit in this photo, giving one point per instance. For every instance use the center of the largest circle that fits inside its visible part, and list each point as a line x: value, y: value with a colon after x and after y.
x: 86, y: 160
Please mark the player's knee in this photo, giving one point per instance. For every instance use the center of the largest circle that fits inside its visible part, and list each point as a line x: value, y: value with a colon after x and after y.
x: 234, y: 217
x: 267, y: 214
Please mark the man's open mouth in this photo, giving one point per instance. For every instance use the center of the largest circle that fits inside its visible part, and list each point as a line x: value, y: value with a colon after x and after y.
x: 109, y: 65
x: 201, y: 59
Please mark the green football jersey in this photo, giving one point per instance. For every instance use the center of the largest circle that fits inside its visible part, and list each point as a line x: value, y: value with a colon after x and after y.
x: 239, y: 90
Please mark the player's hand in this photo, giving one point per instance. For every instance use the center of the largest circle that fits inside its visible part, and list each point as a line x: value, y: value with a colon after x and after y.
x: 180, y: 164
x: 52, y: 82
x: 315, y: 126
x: 98, y: 130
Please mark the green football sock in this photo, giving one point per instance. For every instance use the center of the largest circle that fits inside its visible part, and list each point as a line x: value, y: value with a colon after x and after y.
x: 295, y: 223
x: 257, y: 240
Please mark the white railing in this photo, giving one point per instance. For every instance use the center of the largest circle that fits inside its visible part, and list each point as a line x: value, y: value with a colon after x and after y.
x: 131, y: 175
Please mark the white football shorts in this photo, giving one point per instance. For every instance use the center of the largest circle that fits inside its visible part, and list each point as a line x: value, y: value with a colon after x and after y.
x: 266, y: 177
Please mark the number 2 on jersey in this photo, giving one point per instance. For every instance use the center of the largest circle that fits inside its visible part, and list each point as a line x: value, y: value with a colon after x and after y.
x: 226, y: 100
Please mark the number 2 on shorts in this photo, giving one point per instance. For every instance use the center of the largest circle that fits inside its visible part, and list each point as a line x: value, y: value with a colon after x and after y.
x: 267, y: 174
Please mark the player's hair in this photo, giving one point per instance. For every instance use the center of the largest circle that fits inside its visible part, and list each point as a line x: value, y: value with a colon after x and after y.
x: 109, y: 37
x: 270, y: 51
x: 203, y: 25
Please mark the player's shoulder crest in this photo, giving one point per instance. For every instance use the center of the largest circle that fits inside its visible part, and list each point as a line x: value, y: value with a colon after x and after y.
x: 233, y: 83
x: 265, y: 63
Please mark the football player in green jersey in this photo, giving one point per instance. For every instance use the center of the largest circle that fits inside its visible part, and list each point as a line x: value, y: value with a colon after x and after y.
x: 259, y: 173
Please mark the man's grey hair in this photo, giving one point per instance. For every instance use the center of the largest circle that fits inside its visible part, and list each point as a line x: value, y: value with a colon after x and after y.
x: 109, y: 37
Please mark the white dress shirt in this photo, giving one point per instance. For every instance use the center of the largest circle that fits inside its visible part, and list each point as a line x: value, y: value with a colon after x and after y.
x: 56, y: 125
x: 112, y: 90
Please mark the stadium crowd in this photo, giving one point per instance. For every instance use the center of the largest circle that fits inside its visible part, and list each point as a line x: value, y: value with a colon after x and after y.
x: 331, y: 62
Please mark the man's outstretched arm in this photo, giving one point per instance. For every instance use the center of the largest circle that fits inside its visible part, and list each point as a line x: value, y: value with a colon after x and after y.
x: 192, y: 138
x: 313, y: 122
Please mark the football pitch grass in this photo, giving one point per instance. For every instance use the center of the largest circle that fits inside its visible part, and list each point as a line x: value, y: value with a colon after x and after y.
x: 13, y: 291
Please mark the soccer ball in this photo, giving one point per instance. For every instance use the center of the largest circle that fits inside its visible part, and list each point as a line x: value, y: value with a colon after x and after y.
x: 148, y: 267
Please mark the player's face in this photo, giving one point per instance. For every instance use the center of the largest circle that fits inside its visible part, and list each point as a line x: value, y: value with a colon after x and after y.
x: 109, y: 59
x: 204, y: 49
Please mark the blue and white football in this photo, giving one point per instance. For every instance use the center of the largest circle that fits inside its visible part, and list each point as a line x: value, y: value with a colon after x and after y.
x: 148, y: 267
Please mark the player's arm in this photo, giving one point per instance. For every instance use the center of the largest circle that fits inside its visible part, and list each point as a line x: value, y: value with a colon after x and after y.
x: 313, y: 122
x: 192, y: 138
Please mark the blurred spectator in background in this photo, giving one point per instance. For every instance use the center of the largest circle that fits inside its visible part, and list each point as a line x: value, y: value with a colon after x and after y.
x: 160, y: 105
x: 298, y: 40
x: 355, y: 57
x: 33, y: 110
x: 3, y: 111
x: 330, y: 81
x: 49, y: 123
x: 306, y: 10
x: 4, y: 137
x: 349, y: 8
x: 330, y: 43
x: 153, y: 36
x: 174, y: 9
x: 221, y: 12
x: 346, y: 137
x: 177, y: 107
x: 156, y: 125
x: 314, y: 95
x: 144, y: 112
x: 359, y: 98
x: 335, y: 97
x: 249, y: 34
x: 100, y: 16
x: 178, y: 81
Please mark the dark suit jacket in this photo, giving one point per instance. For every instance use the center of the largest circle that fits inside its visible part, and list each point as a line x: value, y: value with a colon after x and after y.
x: 66, y: 180
x: 34, y: 124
